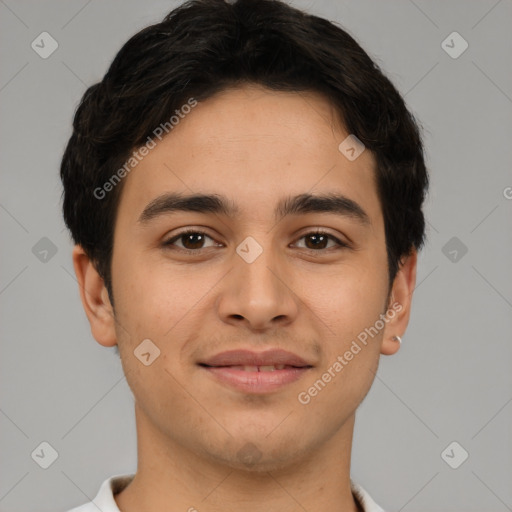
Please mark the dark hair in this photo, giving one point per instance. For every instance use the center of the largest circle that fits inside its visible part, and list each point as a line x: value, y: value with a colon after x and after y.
x: 206, y: 46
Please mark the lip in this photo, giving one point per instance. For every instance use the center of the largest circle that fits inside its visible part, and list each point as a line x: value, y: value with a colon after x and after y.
x: 251, y: 358
x: 225, y: 368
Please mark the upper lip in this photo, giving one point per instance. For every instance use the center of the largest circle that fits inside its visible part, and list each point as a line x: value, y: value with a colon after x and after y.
x: 249, y: 358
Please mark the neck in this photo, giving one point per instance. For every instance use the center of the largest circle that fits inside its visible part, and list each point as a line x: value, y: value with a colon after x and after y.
x: 173, y: 478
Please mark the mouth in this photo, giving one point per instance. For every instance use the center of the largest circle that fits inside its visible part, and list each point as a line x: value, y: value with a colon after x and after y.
x: 256, y: 373
x: 249, y: 368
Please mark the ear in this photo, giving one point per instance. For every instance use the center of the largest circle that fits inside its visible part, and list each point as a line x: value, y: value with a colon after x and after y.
x: 95, y: 299
x: 399, y: 307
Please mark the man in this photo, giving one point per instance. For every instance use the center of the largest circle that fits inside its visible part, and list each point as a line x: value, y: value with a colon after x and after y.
x: 244, y: 188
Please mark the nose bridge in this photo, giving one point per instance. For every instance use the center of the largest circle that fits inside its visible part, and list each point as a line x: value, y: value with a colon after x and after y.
x: 257, y: 276
x: 257, y: 281
x: 255, y: 289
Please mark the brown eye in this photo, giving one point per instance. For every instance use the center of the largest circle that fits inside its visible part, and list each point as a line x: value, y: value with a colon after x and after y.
x: 318, y: 240
x: 192, y: 240
x: 189, y: 240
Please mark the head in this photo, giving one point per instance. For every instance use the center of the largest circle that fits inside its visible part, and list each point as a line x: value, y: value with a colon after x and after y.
x: 246, y: 103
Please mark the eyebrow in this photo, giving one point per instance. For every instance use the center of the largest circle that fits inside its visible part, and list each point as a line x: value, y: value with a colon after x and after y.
x: 293, y: 205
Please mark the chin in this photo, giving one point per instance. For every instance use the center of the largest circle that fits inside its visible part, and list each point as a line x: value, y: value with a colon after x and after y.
x: 258, y: 456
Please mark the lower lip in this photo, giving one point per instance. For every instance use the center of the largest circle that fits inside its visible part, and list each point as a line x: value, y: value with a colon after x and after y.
x: 256, y: 382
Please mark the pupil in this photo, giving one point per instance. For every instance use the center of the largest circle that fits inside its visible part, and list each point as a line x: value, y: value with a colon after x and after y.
x: 189, y: 238
x: 318, y: 240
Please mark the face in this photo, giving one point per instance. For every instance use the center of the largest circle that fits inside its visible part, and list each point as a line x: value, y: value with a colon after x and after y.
x: 287, y: 281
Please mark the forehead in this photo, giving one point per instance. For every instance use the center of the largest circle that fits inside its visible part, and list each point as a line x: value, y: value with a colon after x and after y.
x: 255, y: 146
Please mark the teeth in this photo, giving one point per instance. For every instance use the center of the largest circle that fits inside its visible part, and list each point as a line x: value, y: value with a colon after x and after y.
x: 268, y: 368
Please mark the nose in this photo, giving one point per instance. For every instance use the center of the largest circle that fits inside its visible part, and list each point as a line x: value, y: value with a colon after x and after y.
x: 259, y: 294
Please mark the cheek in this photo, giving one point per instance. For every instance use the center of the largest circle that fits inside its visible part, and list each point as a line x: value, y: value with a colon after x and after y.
x: 350, y: 304
x: 358, y: 307
x: 351, y: 351
x: 152, y: 298
x: 349, y: 298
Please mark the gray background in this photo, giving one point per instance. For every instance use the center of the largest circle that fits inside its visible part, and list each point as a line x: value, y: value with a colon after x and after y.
x: 451, y: 380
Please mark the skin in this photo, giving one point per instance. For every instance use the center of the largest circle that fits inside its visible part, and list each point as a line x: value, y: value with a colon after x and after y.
x: 254, y: 146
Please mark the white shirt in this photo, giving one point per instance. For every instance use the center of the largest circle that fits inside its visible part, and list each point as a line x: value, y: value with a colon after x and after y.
x: 105, y: 502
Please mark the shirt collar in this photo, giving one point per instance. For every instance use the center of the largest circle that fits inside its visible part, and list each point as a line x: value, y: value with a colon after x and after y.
x: 105, y: 498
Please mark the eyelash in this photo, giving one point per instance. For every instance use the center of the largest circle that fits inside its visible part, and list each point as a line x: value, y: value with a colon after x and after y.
x: 169, y: 243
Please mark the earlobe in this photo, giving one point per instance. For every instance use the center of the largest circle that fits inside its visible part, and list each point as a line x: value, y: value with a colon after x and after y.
x: 95, y: 299
x: 391, y: 345
x: 399, y: 307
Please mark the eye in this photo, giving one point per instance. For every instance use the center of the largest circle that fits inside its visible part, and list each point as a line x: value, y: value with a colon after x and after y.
x: 318, y: 240
x: 191, y: 240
